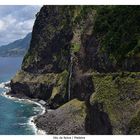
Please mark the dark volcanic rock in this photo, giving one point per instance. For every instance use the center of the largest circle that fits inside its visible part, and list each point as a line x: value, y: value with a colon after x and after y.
x: 82, y: 87
x: 50, y: 43
x: 97, y: 121
x: 32, y: 90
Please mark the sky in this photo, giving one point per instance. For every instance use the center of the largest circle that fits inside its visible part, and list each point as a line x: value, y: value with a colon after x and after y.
x: 16, y: 21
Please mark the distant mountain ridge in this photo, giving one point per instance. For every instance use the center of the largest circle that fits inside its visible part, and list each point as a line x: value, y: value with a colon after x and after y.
x: 16, y: 48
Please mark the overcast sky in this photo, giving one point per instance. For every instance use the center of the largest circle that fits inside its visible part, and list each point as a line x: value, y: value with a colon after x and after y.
x: 16, y: 22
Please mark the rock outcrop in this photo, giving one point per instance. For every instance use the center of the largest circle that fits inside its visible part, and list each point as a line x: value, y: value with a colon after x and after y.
x: 67, y: 119
x: 97, y: 121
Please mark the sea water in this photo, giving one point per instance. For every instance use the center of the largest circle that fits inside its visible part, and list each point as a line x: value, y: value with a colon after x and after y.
x: 14, y: 115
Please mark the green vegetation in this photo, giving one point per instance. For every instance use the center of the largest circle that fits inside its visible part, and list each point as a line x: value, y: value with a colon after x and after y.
x: 75, y: 48
x: 104, y: 33
x: 28, y: 58
x: 119, y: 93
x: 115, y: 27
x: 23, y: 76
x: 118, y: 31
x: 61, y: 85
x: 134, y: 125
x: 76, y: 110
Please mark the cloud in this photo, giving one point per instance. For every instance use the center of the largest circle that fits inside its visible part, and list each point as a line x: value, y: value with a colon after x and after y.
x: 1, y: 25
x: 16, y: 22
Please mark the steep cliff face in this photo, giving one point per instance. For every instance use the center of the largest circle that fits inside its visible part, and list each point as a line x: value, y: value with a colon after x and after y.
x: 73, y: 66
x: 56, y: 40
x: 50, y: 44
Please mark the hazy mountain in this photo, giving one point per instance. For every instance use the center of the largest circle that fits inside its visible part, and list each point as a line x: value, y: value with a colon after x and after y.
x: 16, y: 48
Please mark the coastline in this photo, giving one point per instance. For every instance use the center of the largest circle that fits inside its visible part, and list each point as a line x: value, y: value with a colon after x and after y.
x: 31, y: 120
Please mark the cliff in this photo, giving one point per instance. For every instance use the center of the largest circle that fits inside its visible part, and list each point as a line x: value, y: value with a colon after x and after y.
x: 84, y: 62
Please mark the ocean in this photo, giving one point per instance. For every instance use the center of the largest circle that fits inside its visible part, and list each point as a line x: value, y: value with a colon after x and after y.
x: 15, y: 115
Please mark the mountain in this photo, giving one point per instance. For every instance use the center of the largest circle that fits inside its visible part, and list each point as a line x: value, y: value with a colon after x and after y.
x: 84, y: 62
x: 16, y: 48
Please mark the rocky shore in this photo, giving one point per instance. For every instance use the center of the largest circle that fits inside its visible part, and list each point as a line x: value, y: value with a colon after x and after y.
x: 32, y: 120
x: 79, y: 67
x: 67, y: 120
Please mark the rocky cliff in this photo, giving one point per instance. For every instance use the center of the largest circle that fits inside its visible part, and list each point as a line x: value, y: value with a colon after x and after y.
x: 71, y: 64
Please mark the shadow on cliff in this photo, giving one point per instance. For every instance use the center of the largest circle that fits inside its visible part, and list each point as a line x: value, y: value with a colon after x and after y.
x: 97, y: 122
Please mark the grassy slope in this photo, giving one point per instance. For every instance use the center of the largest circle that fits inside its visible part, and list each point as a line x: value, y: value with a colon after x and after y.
x: 119, y: 93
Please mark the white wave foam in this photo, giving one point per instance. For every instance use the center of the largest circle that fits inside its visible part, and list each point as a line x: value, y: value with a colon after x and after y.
x: 36, y: 109
x: 3, y: 85
x: 22, y: 124
x: 32, y: 118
